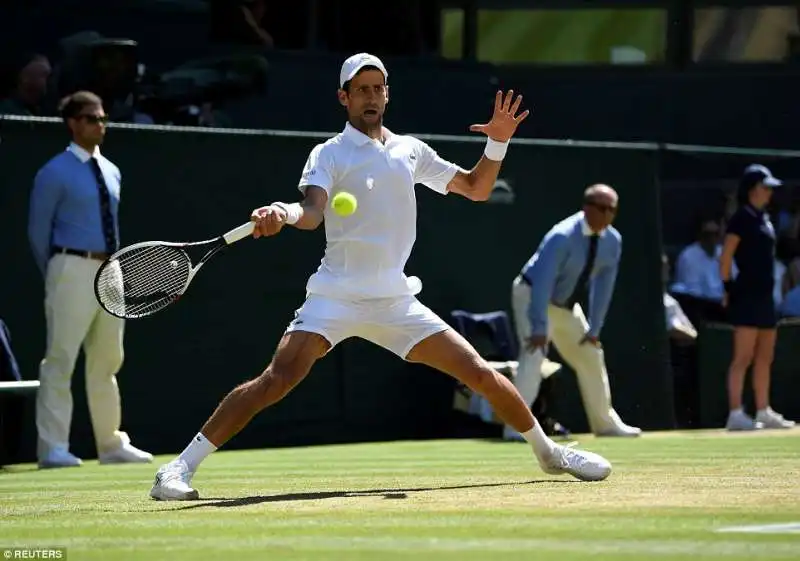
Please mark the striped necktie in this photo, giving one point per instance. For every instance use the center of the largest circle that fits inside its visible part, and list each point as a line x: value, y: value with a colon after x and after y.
x: 105, y: 208
x: 582, y: 286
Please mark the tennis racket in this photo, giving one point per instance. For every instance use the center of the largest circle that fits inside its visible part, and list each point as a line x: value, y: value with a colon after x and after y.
x: 144, y: 278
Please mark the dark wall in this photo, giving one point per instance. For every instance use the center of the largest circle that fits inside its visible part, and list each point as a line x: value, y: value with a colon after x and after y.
x: 735, y: 105
x: 747, y: 106
x: 194, y: 185
x: 696, y: 186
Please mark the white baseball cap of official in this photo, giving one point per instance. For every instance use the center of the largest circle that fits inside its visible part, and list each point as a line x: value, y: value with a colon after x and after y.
x: 358, y: 61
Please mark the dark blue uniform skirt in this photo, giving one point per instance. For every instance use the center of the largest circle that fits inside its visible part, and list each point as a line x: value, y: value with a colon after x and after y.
x: 752, y: 310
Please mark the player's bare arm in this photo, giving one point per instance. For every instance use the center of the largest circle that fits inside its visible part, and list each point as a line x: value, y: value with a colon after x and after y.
x: 306, y: 215
x: 478, y: 183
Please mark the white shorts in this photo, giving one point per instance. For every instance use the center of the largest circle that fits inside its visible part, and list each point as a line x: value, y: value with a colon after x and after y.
x: 396, y: 324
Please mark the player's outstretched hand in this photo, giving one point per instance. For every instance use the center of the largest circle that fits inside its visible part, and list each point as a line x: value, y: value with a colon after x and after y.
x: 269, y: 220
x: 504, y: 121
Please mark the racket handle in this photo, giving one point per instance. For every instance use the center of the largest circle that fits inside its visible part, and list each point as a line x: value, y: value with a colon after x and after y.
x: 237, y: 234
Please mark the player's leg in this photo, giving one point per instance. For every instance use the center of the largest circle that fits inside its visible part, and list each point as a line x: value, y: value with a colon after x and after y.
x: 415, y: 333
x: 588, y: 361
x: 319, y: 325
x: 296, y: 354
x: 449, y: 352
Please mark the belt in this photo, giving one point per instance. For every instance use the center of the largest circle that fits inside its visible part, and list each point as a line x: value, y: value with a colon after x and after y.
x: 525, y: 280
x: 96, y: 255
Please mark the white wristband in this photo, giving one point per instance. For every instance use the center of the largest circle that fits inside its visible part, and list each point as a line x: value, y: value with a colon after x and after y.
x: 293, y: 211
x: 495, y: 150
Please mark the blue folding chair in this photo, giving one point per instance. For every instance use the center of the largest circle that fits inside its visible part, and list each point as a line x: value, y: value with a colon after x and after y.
x: 12, y: 404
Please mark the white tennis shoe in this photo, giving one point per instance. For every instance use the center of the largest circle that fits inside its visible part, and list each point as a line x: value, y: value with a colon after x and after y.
x: 172, y: 483
x: 581, y: 464
x: 771, y: 419
x: 738, y: 420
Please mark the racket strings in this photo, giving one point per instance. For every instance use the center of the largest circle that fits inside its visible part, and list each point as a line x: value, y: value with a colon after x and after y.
x: 143, y: 280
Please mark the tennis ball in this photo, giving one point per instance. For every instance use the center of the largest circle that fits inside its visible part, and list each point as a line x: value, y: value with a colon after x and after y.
x: 344, y: 204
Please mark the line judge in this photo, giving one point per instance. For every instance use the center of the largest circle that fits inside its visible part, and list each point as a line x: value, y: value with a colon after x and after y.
x: 72, y: 228
x: 578, y: 256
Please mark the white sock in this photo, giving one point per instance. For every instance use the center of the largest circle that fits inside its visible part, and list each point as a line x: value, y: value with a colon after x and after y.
x: 197, y: 451
x: 542, y: 445
x: 739, y: 411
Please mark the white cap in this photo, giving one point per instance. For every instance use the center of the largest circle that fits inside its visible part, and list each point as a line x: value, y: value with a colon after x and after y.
x: 358, y: 61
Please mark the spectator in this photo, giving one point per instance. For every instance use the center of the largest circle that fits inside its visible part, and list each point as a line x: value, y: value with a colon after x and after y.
x: 240, y: 22
x: 780, y: 276
x: 697, y: 284
x: 790, y: 307
x: 29, y: 87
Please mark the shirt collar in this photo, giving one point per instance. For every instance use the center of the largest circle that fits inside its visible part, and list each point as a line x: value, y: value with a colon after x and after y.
x: 699, y: 250
x: 82, y: 154
x: 585, y: 227
x: 359, y: 138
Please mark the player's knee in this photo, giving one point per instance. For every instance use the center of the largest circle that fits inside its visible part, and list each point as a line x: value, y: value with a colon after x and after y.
x: 482, y: 378
x: 278, y: 380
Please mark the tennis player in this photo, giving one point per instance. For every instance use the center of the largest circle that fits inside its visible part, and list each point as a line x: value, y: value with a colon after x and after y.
x: 360, y: 289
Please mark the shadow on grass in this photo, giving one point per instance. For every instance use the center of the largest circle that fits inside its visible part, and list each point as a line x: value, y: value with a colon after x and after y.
x: 221, y: 502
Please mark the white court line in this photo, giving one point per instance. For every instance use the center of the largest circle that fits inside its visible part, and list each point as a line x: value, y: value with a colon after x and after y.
x: 787, y: 528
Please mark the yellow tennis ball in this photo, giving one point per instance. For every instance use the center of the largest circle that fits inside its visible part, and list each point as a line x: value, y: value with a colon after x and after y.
x: 344, y: 204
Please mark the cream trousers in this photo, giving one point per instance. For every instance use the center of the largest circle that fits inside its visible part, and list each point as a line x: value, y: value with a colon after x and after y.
x: 75, y: 319
x: 566, y: 328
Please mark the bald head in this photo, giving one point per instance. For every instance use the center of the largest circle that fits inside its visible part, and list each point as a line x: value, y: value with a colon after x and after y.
x: 602, y: 194
x: 600, y: 206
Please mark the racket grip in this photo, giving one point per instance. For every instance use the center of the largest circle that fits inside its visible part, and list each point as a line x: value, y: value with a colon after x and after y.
x: 237, y: 234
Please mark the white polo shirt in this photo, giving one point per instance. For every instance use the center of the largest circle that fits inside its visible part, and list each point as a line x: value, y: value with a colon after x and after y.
x: 366, y: 252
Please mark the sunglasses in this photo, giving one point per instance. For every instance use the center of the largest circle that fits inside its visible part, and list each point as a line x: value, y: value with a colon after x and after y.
x: 94, y: 119
x: 604, y: 208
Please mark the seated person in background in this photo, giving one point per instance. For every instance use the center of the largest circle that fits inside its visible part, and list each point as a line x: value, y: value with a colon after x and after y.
x: 787, y: 250
x: 239, y: 22
x: 790, y: 307
x: 779, y: 290
x: 28, y: 88
x: 683, y: 356
x: 697, y: 285
x: 787, y: 278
